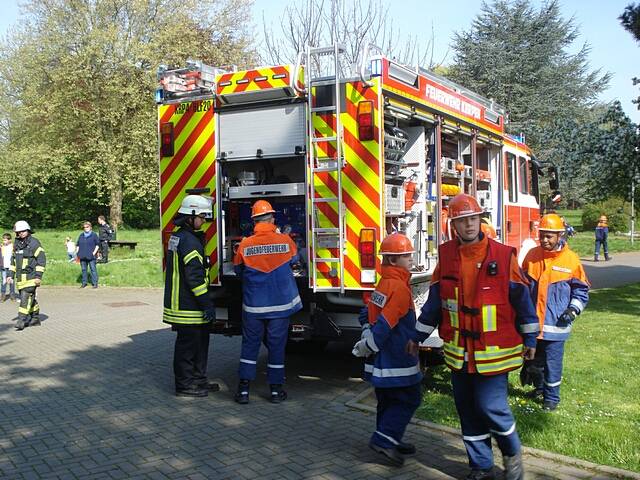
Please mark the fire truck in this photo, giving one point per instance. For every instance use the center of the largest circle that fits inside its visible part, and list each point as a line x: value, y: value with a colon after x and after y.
x: 346, y: 155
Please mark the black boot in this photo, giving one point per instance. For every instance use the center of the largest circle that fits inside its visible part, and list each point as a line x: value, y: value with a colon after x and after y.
x: 210, y: 386
x: 35, y: 322
x: 481, y: 475
x: 595, y: 258
x: 392, y: 454
x: 278, y: 395
x: 406, y: 448
x: 192, y: 391
x: 242, y: 395
x: 20, y: 324
x: 513, y: 469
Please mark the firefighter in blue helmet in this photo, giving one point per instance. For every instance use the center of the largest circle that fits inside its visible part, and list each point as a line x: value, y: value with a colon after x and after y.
x: 269, y: 297
x: 187, y: 304
x: 387, y: 334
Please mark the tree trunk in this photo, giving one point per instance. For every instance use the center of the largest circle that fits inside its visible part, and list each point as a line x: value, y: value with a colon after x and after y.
x: 115, y: 207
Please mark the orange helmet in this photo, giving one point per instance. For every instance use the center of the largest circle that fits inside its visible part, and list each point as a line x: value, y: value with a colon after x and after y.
x: 261, y: 207
x: 463, y: 205
x: 552, y: 222
x: 396, y: 244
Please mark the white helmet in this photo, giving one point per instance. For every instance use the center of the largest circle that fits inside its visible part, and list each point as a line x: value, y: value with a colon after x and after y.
x: 21, y: 226
x: 197, y: 205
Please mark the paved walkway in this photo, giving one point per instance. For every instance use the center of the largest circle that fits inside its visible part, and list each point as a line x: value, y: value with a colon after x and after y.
x: 623, y: 269
x: 90, y: 395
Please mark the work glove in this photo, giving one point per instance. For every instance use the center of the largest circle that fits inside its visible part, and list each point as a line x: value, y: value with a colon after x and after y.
x: 567, y: 317
x: 360, y: 349
x: 210, y: 315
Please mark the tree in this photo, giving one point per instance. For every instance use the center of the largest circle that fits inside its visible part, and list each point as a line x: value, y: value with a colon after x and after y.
x: 630, y: 20
x: 352, y: 23
x: 77, y: 79
x: 519, y: 56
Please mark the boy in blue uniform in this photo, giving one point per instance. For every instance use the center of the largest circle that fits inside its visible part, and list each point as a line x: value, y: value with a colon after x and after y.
x: 394, y: 372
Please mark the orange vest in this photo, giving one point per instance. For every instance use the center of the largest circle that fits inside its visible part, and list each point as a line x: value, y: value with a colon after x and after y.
x: 480, y: 330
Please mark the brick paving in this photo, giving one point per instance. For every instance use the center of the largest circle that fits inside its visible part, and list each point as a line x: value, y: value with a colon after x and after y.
x: 90, y: 395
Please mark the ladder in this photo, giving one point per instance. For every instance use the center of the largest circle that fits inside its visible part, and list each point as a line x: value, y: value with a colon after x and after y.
x: 323, y: 237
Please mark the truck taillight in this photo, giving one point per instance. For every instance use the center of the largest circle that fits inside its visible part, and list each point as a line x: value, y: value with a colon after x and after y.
x: 367, y: 248
x: 365, y: 120
x: 166, y: 139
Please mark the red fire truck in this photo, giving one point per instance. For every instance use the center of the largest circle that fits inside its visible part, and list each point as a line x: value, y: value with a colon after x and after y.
x: 345, y: 157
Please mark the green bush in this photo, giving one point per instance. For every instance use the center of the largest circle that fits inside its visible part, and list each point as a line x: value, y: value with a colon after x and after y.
x: 616, y: 209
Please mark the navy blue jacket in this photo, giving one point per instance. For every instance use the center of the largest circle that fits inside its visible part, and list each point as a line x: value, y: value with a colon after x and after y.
x: 86, y: 246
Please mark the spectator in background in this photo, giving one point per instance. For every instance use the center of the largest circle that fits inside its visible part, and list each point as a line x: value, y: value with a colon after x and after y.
x: 106, y: 234
x: 71, y: 249
x: 7, y: 251
x: 87, y: 247
x: 602, y: 235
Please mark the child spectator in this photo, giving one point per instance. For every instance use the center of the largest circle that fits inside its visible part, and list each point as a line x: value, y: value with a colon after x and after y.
x: 71, y: 249
x: 388, y: 334
x: 7, y: 252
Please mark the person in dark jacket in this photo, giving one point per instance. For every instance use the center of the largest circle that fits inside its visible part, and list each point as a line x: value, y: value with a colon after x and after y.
x: 86, y: 248
x: 602, y: 235
x: 188, y: 308
x: 105, y: 233
x: 27, y: 268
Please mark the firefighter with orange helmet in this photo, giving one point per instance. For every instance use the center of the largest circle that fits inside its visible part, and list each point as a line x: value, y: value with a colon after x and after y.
x: 602, y: 235
x: 560, y: 290
x: 480, y: 302
x: 389, y: 331
x: 269, y: 297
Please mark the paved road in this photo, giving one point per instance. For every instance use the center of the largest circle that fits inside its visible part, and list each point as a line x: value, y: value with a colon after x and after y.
x: 89, y: 395
x: 622, y: 270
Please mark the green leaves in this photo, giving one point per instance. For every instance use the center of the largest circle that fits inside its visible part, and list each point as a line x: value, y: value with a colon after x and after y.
x: 77, y: 79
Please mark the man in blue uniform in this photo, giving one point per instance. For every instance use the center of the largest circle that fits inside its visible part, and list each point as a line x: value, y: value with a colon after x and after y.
x: 269, y: 297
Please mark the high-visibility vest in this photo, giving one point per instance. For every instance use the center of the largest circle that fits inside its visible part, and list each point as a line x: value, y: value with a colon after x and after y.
x: 482, y: 330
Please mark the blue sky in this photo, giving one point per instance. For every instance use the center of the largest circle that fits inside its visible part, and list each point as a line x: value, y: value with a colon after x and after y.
x: 612, y: 48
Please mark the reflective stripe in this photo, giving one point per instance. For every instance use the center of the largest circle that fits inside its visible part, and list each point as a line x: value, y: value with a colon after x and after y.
x: 476, y: 438
x: 395, y: 372
x: 191, y: 255
x: 507, y: 432
x: 368, y: 367
x: 175, y: 281
x: 184, y: 313
x: 489, y: 323
x: 39, y: 268
x: 250, y: 362
x: 554, y: 384
x: 553, y: 329
x: 273, y: 308
x: 492, y: 353
x: 25, y: 263
x: 490, y: 367
x: 269, y: 365
x: 421, y: 327
x: 530, y: 328
x: 578, y: 304
x: 367, y: 336
x: 453, y: 355
x: 12, y: 268
x: 200, y: 289
x: 23, y: 310
x: 38, y: 251
x: 25, y: 283
x: 391, y: 439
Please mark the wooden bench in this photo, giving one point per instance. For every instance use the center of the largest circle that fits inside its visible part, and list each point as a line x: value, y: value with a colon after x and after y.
x: 118, y: 243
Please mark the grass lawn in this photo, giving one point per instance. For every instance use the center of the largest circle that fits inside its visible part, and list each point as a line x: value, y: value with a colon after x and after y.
x: 599, y: 417
x: 141, y: 267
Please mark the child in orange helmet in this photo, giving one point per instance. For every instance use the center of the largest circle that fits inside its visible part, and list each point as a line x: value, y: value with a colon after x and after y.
x: 389, y: 328
x: 560, y: 290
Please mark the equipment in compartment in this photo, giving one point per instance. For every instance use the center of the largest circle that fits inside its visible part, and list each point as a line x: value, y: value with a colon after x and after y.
x: 448, y: 166
x: 395, y: 144
x: 484, y: 198
x: 394, y: 199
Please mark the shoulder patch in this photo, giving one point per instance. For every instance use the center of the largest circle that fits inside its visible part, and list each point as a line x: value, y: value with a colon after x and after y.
x: 173, y: 243
x: 560, y: 269
x: 378, y: 299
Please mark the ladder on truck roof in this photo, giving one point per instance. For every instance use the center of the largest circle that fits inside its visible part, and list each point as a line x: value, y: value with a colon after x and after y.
x: 323, y: 164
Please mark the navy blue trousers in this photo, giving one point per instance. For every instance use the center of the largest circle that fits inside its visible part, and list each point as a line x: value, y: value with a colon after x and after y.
x: 396, y: 406
x: 253, y: 332
x: 551, y: 354
x: 481, y: 401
